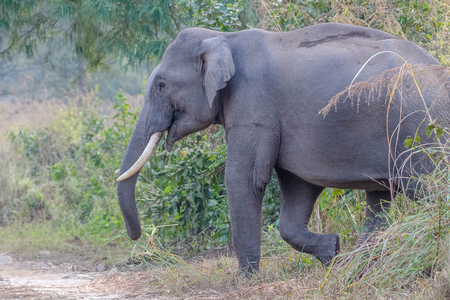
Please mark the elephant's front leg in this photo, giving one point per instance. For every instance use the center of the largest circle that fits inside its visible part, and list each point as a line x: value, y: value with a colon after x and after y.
x: 250, y: 161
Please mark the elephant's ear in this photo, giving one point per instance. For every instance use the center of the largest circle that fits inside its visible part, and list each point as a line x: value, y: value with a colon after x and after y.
x: 217, y: 65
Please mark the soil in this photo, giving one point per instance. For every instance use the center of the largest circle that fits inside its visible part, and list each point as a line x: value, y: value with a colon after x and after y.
x: 49, y: 278
x: 55, y: 275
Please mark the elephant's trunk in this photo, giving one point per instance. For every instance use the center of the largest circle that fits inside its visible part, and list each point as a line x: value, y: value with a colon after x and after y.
x: 135, y: 157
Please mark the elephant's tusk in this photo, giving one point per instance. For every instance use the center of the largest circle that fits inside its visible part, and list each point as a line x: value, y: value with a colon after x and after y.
x: 154, y: 140
x: 117, y: 171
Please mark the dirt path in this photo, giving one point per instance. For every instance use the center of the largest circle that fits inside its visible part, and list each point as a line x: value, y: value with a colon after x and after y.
x: 45, y: 280
x: 49, y: 280
x: 47, y: 277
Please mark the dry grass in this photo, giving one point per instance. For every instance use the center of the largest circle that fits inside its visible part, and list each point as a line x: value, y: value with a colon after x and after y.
x: 381, y: 17
x: 217, y: 279
x: 279, y: 278
x: 13, y: 293
x: 345, y: 12
x: 397, y: 82
x: 33, y: 113
x: 41, y: 113
x: 392, y: 266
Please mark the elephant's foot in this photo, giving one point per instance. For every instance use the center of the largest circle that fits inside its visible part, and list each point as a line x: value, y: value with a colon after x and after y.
x: 247, y: 267
x: 329, y: 248
x: 323, y: 246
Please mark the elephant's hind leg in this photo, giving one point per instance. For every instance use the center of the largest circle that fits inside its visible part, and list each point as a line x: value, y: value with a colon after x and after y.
x: 297, y: 202
x: 377, y: 205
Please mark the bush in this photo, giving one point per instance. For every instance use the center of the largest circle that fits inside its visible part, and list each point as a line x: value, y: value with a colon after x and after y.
x: 67, y: 169
x: 181, y: 188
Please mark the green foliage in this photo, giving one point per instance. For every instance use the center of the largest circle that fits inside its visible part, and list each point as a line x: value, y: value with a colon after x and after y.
x: 71, y: 167
x: 271, y: 204
x: 132, y: 31
x: 212, y: 14
x: 178, y: 188
x: 136, y: 32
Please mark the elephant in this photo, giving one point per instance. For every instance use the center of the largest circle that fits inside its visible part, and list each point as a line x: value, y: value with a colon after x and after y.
x: 274, y: 94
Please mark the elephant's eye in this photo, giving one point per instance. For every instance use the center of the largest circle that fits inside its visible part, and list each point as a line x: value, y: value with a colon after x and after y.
x: 161, y: 86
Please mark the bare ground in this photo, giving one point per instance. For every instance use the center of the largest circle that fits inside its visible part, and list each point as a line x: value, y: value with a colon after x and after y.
x: 46, y: 276
x: 43, y: 278
x: 85, y: 274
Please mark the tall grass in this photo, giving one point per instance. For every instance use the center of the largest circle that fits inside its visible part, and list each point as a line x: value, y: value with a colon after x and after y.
x: 412, y: 253
x: 415, y: 246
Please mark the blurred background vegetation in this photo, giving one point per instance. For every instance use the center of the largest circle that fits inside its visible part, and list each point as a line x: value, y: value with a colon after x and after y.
x: 72, y: 74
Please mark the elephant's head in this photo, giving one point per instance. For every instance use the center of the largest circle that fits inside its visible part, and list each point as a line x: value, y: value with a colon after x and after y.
x: 180, y: 99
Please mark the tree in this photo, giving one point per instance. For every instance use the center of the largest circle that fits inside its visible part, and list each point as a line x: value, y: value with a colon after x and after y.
x: 100, y: 31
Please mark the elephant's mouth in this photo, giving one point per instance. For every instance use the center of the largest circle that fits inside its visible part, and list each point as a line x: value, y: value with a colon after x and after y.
x: 171, y: 135
x: 182, y: 126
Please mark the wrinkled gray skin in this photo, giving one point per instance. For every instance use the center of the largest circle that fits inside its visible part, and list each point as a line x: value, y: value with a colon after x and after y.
x: 267, y: 89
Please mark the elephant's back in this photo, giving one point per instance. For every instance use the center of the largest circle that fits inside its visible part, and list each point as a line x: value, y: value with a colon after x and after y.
x: 350, y: 143
x: 327, y: 33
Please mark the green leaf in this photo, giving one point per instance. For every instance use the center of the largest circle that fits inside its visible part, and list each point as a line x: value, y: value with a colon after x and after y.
x: 439, y: 132
x: 429, y: 130
x: 408, y: 143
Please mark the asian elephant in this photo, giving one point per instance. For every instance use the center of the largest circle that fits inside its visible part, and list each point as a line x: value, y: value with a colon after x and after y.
x: 267, y: 89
